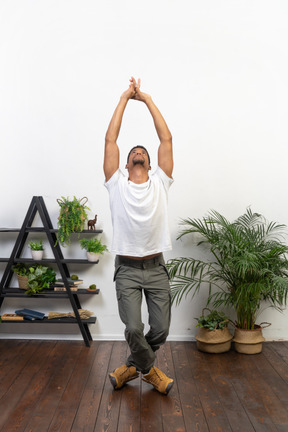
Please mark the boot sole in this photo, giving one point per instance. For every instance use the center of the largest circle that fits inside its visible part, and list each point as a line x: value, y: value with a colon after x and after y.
x: 114, y: 382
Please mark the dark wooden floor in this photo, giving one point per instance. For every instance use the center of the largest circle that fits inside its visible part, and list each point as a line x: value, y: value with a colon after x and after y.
x: 63, y: 386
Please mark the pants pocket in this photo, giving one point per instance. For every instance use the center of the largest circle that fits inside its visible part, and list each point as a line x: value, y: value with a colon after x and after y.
x: 115, y: 272
x: 165, y: 268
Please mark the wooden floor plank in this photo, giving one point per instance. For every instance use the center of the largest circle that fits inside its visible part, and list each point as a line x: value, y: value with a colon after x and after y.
x: 189, y: 397
x: 215, y: 415
x: 276, y: 361
x: 37, y: 386
x: 171, y: 410
x: 245, y: 384
x: 108, y: 414
x: 21, y: 385
x: 70, y: 400
x: 129, y: 414
x: 86, y: 416
x: 64, y: 386
x: 218, y: 367
x: 273, y: 380
x: 43, y: 412
x: 9, y: 367
x: 281, y: 349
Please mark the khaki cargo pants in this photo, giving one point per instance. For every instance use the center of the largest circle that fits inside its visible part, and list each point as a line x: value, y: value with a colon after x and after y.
x: 133, y: 278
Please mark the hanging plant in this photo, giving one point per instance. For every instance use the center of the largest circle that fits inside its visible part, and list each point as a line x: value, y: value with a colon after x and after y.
x: 71, y: 218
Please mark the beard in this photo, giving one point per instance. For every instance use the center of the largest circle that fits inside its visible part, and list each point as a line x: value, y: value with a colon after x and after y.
x: 138, y: 162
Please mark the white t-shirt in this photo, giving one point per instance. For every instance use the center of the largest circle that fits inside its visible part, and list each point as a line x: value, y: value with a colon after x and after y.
x: 139, y: 214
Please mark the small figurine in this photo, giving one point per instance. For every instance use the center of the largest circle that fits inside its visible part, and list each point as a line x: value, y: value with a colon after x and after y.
x: 91, y: 223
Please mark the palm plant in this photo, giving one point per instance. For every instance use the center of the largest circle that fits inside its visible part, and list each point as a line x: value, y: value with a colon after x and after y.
x: 248, y: 265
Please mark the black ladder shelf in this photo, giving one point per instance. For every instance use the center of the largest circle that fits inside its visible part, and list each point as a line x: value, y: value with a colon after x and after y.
x: 38, y: 205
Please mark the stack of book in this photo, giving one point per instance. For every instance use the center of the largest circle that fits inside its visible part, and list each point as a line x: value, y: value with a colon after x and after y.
x: 30, y: 314
x: 73, y: 284
x: 23, y: 314
x: 12, y: 317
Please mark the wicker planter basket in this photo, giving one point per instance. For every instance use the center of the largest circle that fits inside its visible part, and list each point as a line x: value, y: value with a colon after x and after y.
x: 23, y: 282
x: 249, y: 341
x: 214, y: 341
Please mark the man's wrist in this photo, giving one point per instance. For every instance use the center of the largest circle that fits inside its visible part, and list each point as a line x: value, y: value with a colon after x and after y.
x: 147, y: 99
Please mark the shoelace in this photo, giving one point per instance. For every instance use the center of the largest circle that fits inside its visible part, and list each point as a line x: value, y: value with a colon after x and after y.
x: 122, y: 373
x: 159, y: 375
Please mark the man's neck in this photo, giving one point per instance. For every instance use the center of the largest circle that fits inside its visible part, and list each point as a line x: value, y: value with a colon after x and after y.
x: 138, y: 174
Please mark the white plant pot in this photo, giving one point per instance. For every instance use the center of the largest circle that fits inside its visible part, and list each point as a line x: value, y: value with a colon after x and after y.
x: 92, y: 256
x: 37, y: 255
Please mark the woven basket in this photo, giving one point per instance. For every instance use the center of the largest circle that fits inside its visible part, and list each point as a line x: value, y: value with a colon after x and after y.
x: 214, y: 341
x: 248, y: 341
x: 23, y: 282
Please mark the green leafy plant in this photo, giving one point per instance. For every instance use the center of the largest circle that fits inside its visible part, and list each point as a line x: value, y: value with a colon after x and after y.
x: 93, y: 245
x: 39, y: 277
x: 248, y: 265
x: 20, y: 269
x: 92, y: 287
x: 214, y: 320
x: 36, y: 246
x: 71, y: 218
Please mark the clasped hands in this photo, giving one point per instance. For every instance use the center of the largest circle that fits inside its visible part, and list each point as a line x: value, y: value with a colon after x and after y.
x: 134, y: 92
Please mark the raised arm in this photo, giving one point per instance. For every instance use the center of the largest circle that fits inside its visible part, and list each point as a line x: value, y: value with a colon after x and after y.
x: 111, y: 152
x: 165, y: 150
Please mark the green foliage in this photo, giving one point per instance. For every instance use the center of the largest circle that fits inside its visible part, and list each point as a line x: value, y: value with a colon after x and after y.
x: 214, y: 320
x: 248, y: 265
x: 74, y: 277
x: 39, y: 277
x: 20, y: 269
x: 36, y: 246
x: 71, y: 219
x: 92, y: 287
x: 93, y: 245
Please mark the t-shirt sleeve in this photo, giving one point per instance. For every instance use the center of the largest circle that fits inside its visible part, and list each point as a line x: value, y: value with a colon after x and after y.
x: 167, y: 181
x: 110, y: 184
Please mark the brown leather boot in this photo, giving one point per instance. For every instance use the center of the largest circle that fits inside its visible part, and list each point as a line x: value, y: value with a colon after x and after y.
x: 159, y: 380
x: 122, y: 375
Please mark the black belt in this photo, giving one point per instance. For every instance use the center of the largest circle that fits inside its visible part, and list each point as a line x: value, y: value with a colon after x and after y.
x: 140, y: 263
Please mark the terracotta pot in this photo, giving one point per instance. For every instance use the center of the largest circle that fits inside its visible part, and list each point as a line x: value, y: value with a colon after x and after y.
x: 213, y: 341
x: 248, y: 341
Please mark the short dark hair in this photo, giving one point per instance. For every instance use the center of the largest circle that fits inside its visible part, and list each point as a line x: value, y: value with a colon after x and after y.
x: 139, y: 146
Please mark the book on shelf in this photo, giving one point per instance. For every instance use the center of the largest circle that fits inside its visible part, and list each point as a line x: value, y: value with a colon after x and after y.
x: 62, y: 288
x: 12, y: 317
x: 30, y: 314
x: 72, y: 282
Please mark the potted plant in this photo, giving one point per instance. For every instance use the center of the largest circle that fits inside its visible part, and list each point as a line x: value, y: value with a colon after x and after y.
x: 248, y: 266
x: 22, y: 275
x: 94, y: 248
x: 213, y: 335
x: 37, y: 249
x: 71, y: 218
x: 38, y: 277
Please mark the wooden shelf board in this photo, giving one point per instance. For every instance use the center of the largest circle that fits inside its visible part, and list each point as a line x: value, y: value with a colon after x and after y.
x: 65, y: 320
x: 17, y: 292
x: 43, y: 229
x: 53, y: 260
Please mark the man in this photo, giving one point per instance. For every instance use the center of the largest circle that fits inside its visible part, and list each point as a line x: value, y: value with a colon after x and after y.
x: 140, y: 234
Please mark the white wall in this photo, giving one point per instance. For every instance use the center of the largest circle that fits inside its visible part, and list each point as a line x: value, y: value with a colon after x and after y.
x: 216, y: 69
